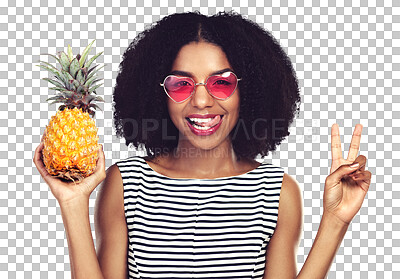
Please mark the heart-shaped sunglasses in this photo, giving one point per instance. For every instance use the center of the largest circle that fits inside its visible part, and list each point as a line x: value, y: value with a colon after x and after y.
x: 181, y: 88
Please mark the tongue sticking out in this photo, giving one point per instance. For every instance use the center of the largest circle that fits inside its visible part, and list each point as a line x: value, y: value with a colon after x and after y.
x: 211, y: 123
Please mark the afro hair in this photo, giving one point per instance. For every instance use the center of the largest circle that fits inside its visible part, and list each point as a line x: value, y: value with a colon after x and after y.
x: 269, y: 91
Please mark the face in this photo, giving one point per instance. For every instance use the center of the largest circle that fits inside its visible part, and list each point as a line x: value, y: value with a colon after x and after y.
x: 199, y: 60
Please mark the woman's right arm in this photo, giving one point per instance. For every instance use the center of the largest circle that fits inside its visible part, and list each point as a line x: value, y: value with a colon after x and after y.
x: 110, y: 262
x: 110, y: 226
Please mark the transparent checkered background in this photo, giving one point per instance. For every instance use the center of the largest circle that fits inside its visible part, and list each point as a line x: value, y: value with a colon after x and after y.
x: 347, y: 58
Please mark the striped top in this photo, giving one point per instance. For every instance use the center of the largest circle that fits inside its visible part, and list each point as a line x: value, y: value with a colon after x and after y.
x: 199, y: 228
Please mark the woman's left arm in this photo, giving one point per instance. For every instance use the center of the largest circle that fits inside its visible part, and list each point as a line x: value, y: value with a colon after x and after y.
x: 345, y: 190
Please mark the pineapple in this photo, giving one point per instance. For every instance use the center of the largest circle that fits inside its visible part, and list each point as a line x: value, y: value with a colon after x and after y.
x: 70, y: 139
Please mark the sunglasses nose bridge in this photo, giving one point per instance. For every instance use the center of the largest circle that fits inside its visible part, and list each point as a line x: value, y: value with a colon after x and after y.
x: 201, y: 83
x: 201, y: 99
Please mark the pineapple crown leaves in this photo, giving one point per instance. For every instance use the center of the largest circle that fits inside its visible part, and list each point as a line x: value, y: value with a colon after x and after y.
x: 76, y: 80
x: 71, y: 100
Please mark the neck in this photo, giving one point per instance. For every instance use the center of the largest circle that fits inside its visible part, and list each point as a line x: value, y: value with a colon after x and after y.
x: 202, y: 162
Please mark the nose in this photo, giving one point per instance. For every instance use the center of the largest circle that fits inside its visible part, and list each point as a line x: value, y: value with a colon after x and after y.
x: 201, y: 98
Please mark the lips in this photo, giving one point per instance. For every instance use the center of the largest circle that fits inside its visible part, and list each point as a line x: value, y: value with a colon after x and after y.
x: 202, y: 116
x: 204, y: 124
x: 210, y: 121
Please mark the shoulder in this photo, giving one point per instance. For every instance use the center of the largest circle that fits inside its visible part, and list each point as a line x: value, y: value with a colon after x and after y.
x: 290, y: 213
x: 290, y: 188
x: 284, y: 242
x: 113, y: 173
x: 110, y: 225
x: 290, y: 203
x: 110, y: 193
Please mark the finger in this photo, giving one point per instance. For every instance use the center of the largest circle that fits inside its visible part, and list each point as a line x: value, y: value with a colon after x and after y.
x: 336, y: 147
x: 335, y: 177
x: 362, y: 160
x: 43, y: 136
x: 364, y: 178
x: 355, y: 143
x: 361, y: 175
x: 38, y: 161
x: 101, y: 162
x: 37, y: 157
x: 99, y: 173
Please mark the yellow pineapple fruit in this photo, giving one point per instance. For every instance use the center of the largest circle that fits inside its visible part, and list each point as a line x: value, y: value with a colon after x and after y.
x: 70, y: 139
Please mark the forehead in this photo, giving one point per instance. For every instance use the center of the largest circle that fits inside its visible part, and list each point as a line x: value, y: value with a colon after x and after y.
x: 200, y: 59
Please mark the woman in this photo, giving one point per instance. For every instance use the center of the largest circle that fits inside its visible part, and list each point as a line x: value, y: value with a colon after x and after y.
x: 204, y: 96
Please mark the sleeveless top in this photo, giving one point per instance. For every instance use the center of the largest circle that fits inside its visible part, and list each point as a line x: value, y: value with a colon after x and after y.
x: 199, y: 228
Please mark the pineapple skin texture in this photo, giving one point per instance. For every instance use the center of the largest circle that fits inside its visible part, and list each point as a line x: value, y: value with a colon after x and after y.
x: 71, y: 145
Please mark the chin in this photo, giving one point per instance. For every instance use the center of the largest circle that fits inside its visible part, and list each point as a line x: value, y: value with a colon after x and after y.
x: 204, y: 143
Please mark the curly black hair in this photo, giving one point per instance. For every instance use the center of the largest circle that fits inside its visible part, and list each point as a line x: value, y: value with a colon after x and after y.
x: 269, y: 91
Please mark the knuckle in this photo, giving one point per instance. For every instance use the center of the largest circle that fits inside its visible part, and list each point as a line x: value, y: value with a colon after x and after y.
x: 328, y: 179
x: 354, y: 146
x: 362, y: 158
x: 102, y: 175
x: 336, y: 145
x: 343, y: 167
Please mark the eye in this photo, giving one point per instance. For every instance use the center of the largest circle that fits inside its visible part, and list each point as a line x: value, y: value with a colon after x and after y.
x: 175, y: 83
x: 222, y: 82
x: 183, y: 83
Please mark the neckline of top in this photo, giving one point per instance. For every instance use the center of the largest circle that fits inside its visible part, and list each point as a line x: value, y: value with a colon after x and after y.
x: 202, y: 179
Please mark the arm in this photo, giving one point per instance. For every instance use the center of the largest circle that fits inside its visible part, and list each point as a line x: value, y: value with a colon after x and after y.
x: 281, y: 253
x: 110, y: 226
x: 329, y: 237
x: 345, y: 190
x: 82, y: 254
x: 74, y: 203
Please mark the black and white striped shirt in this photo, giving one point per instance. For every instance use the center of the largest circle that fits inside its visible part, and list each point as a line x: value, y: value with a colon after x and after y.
x: 199, y: 228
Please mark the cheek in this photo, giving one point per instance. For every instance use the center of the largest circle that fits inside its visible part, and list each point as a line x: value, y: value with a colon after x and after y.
x: 235, y: 105
x: 233, y: 109
x: 171, y: 109
x: 175, y: 112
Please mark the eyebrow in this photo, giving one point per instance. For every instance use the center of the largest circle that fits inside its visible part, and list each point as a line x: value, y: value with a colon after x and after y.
x: 189, y: 74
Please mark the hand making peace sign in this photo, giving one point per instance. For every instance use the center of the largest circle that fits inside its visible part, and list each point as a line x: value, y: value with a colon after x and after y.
x: 346, y: 186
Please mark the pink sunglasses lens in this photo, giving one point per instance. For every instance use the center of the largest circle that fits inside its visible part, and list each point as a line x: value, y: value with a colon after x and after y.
x: 222, y: 86
x: 179, y: 88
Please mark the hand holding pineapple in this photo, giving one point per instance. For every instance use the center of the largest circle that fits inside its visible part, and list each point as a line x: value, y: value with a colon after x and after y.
x: 69, y: 148
x: 66, y: 192
x: 70, y: 139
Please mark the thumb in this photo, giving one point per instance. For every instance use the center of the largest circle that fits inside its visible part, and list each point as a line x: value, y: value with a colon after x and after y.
x: 343, y: 170
x: 99, y: 174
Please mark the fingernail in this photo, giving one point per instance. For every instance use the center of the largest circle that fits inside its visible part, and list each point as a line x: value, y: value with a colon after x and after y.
x: 354, y: 165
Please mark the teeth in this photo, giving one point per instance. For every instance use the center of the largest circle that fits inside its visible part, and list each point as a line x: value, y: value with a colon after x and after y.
x: 201, y: 120
x: 200, y: 127
x: 203, y: 123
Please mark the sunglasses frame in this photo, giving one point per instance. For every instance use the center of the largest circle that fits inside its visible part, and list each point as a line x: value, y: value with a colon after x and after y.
x: 201, y: 83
